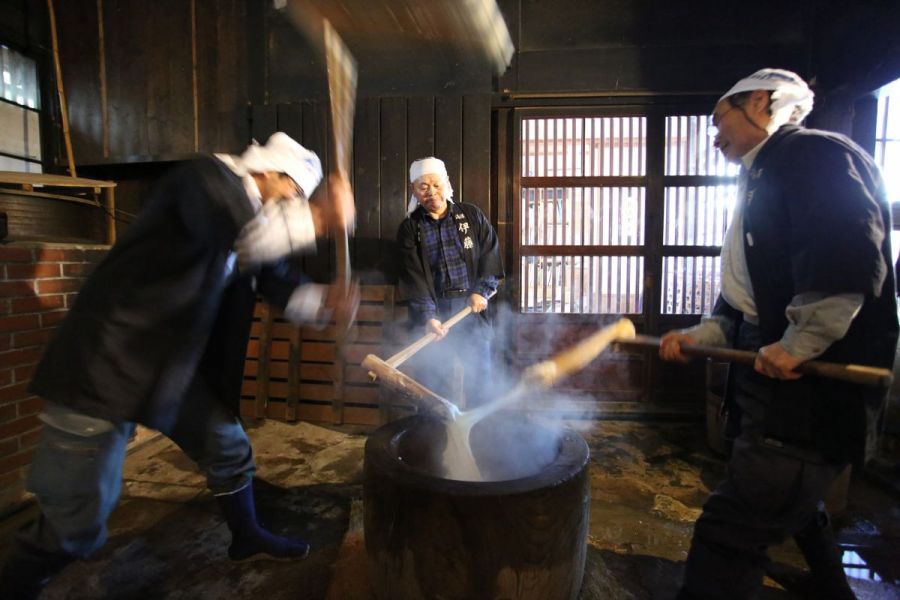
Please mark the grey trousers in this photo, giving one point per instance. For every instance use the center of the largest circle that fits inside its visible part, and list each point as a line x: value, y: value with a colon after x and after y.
x: 770, y: 493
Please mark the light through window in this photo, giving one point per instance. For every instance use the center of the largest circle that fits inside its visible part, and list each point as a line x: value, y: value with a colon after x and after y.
x: 585, y: 242
x: 887, y: 138
x: 887, y: 150
x: 700, y: 192
x: 582, y: 207
x: 20, y: 135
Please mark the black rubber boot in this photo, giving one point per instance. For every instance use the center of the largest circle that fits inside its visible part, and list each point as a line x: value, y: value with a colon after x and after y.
x: 249, y: 541
x: 819, y: 547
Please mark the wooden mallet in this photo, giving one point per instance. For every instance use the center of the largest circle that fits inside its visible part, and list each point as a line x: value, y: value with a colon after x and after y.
x: 409, y: 388
x: 574, y: 359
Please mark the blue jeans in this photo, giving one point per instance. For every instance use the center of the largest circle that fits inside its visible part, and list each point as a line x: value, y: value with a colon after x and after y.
x: 77, y: 471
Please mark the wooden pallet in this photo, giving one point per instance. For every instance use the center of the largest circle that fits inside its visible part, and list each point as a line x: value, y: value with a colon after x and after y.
x: 299, y: 373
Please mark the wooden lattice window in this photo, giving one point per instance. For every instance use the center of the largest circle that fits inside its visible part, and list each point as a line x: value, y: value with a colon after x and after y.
x: 615, y: 203
x: 582, y: 207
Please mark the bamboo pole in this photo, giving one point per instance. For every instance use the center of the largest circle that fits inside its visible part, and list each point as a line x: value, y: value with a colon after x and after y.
x: 62, y: 93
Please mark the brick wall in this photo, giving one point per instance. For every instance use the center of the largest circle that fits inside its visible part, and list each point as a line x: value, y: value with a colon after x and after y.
x: 38, y: 284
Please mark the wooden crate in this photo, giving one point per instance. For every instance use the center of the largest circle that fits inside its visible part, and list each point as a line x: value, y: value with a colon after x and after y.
x: 300, y: 373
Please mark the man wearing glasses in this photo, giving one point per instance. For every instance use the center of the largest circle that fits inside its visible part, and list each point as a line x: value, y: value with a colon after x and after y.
x: 804, y: 275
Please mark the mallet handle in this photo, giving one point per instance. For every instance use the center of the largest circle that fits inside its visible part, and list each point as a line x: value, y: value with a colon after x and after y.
x: 865, y: 375
x: 404, y: 355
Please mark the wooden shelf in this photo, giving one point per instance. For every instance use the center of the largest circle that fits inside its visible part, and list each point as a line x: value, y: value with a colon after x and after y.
x: 33, y: 179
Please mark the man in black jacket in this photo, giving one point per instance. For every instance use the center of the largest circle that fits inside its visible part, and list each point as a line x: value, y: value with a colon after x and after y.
x: 805, y: 275
x: 450, y: 259
x: 158, y: 336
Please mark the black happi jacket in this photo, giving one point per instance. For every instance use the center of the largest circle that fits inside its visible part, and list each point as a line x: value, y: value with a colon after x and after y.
x: 482, y: 260
x: 164, y: 306
x: 816, y: 220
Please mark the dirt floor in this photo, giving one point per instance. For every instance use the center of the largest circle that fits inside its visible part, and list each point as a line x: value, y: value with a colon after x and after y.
x: 648, y: 482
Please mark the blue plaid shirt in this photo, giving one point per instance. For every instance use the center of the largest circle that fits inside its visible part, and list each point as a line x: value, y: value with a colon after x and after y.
x: 444, y: 252
x: 443, y: 249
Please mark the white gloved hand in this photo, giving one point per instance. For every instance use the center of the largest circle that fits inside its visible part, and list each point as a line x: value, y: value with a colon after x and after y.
x: 305, y: 306
x: 281, y: 228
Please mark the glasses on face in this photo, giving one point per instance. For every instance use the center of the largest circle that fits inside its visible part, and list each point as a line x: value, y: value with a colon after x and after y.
x: 713, y: 129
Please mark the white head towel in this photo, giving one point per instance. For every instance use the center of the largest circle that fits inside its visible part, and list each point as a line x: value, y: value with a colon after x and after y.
x: 283, y: 155
x: 792, y: 99
x: 428, y: 166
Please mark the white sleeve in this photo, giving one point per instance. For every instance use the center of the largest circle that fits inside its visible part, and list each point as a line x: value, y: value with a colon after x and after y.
x: 710, y: 332
x: 281, y: 228
x: 816, y: 321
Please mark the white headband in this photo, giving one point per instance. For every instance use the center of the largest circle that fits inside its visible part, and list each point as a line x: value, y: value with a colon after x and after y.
x: 282, y: 154
x: 428, y: 166
x: 792, y: 99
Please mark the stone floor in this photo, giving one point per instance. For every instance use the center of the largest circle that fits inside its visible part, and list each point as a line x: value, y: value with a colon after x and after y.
x: 167, y: 539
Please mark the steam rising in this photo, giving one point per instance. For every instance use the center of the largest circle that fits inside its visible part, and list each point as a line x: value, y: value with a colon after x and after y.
x: 503, y: 444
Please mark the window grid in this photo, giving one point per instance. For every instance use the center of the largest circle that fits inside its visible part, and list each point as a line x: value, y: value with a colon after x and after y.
x: 583, y: 146
x: 582, y: 284
x: 583, y: 247
x: 589, y: 216
x: 695, y: 216
x: 690, y: 284
x: 698, y: 215
x: 690, y: 149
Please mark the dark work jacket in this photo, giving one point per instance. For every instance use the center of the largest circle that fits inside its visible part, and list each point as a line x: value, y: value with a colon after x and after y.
x: 159, y: 309
x: 482, y: 260
x: 816, y: 220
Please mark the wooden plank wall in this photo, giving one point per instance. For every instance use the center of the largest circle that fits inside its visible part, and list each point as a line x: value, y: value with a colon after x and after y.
x: 14, y: 21
x: 153, y: 81
x: 295, y: 373
x: 389, y: 133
